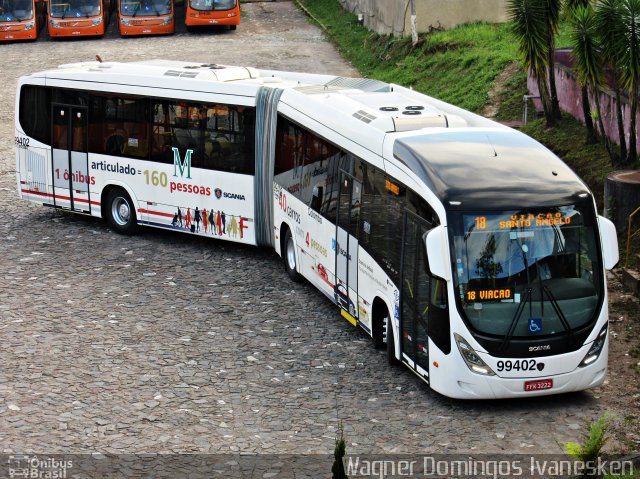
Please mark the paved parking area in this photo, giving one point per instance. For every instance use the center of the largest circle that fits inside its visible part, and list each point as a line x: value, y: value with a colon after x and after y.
x: 166, y: 343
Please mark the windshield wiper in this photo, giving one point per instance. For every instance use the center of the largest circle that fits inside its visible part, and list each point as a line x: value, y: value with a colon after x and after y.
x: 514, y: 321
x: 556, y: 308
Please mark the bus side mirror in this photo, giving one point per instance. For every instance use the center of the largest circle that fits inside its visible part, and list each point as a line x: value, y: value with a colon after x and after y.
x: 609, y: 239
x: 438, y: 252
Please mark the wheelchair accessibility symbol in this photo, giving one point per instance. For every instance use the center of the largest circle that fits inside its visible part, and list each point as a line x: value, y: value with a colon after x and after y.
x: 535, y: 325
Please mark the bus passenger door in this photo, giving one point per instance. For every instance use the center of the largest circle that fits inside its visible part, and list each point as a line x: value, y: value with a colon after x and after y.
x: 415, y: 291
x: 346, y: 286
x: 70, y: 159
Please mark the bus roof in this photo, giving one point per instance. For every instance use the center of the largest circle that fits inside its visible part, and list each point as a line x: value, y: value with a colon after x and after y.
x: 489, y: 167
x: 385, y: 107
x: 440, y: 143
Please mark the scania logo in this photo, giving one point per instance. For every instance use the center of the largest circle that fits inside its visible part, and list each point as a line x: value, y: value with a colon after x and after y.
x: 544, y: 347
x: 540, y: 366
x: 231, y: 196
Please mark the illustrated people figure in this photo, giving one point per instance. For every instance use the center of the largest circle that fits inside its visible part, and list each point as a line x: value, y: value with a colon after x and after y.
x: 212, y: 222
x: 174, y: 221
x: 243, y: 226
x: 180, y: 217
x: 197, y: 218
x: 223, y: 223
x: 219, y: 222
x: 205, y: 220
x: 233, y: 227
x: 187, y: 219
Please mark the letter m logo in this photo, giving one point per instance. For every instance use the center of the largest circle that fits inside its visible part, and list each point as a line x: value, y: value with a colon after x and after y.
x: 179, y: 165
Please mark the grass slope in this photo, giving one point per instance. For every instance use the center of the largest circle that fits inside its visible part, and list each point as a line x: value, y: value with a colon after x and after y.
x: 459, y: 66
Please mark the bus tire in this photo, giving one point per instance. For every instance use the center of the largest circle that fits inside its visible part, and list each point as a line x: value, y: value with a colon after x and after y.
x: 121, y: 214
x: 289, y: 257
x: 391, y: 344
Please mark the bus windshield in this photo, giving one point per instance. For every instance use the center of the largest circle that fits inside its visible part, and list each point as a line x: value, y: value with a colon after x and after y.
x: 212, y: 5
x: 527, y: 272
x: 145, y: 7
x: 74, y: 8
x: 15, y: 10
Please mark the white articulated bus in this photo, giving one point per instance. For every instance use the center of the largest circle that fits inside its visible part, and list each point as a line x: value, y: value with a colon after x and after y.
x: 468, y: 249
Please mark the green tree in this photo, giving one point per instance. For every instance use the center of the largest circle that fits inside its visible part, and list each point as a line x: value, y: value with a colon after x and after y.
x: 588, y: 65
x: 608, y: 18
x: 530, y: 28
x: 628, y: 51
x: 553, y: 8
x: 570, y: 8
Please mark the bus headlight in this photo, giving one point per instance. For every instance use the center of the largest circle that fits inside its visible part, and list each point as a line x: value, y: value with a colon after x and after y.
x: 167, y: 21
x: 470, y: 357
x: 125, y: 22
x: 596, y: 348
x: 96, y: 21
x: 29, y: 25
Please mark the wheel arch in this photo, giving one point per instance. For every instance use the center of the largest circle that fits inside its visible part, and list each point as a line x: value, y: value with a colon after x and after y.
x: 284, y: 227
x: 105, y: 193
x: 378, y: 309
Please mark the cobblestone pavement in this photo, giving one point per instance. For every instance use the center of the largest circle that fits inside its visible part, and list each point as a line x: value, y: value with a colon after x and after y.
x: 166, y: 343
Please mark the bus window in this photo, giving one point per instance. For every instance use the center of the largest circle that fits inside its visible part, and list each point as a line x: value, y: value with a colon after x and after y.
x: 220, y: 137
x: 35, y: 112
x: 382, y: 218
x: 119, y: 126
x: 439, y: 327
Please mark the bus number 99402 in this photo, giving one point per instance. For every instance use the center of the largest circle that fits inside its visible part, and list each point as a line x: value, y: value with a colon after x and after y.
x: 517, y: 365
x: 22, y: 142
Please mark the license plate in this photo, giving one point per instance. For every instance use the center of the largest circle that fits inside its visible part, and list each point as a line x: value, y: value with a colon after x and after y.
x: 538, y: 385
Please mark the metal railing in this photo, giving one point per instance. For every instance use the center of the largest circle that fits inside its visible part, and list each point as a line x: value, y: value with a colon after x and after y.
x: 525, y: 109
x: 631, y: 235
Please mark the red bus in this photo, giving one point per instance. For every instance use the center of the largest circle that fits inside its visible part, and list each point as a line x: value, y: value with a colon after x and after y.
x: 145, y: 17
x: 20, y: 19
x: 212, y: 12
x: 77, y: 18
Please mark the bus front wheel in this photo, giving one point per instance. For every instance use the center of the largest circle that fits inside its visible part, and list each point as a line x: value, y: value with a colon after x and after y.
x: 121, y: 214
x: 289, y: 257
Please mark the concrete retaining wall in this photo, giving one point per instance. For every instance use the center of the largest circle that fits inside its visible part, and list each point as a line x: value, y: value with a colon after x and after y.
x: 394, y: 16
x: 570, y: 99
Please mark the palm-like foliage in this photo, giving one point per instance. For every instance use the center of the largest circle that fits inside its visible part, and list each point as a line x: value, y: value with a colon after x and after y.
x: 608, y: 21
x: 553, y: 8
x: 529, y: 26
x: 572, y: 5
x: 629, y: 55
x: 582, y: 40
x: 588, y: 62
x: 586, y: 48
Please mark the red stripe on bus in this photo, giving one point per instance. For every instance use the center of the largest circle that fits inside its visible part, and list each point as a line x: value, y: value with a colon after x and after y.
x: 156, y: 213
x: 60, y: 197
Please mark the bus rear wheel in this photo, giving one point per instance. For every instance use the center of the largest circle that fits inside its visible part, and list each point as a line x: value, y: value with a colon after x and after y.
x: 121, y: 214
x: 289, y: 257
